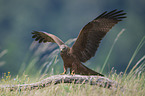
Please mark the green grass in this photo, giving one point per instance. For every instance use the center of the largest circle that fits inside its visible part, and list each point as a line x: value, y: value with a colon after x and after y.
x: 133, y: 83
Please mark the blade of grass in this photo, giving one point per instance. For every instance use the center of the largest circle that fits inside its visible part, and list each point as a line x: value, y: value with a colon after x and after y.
x: 106, y: 60
x: 140, y: 69
x: 135, y: 66
x: 135, y: 52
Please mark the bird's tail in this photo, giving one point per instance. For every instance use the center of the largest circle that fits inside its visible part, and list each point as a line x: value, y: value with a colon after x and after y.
x: 87, y: 71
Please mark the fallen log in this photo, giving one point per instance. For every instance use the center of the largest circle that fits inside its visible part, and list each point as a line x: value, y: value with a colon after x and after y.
x: 57, y: 79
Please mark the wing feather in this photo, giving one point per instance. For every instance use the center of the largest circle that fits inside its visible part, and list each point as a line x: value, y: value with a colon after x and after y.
x: 91, y: 35
x: 46, y: 37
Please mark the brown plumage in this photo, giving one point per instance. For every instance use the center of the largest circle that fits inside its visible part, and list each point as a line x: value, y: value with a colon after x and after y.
x: 86, y: 44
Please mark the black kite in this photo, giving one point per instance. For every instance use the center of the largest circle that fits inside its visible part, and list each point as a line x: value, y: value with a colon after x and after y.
x: 86, y: 44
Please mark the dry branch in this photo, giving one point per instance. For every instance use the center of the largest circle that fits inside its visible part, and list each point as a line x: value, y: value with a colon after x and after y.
x: 75, y: 79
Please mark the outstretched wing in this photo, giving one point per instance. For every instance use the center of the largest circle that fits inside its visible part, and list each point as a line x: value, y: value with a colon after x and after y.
x: 90, y: 36
x: 46, y: 37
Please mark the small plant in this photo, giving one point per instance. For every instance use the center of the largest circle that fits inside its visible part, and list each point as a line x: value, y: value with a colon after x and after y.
x: 6, y: 77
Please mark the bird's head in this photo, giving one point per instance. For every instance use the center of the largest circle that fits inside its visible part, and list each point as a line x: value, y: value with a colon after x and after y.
x: 64, y: 48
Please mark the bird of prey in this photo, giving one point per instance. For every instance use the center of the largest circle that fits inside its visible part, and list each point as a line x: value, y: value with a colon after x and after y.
x: 86, y: 44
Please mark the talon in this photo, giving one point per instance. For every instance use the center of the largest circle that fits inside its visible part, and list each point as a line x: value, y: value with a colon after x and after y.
x: 63, y: 73
x: 72, y: 73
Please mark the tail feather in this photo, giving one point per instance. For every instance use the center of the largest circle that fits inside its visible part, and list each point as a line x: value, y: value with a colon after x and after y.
x: 87, y: 71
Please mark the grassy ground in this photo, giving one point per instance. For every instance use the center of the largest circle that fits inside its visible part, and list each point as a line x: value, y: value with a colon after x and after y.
x: 132, y: 86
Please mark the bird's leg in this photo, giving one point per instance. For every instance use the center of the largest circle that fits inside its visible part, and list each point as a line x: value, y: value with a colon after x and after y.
x: 73, y: 72
x: 74, y: 68
x: 65, y: 70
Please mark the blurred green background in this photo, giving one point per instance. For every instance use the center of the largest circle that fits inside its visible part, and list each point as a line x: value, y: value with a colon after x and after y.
x: 19, y: 17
